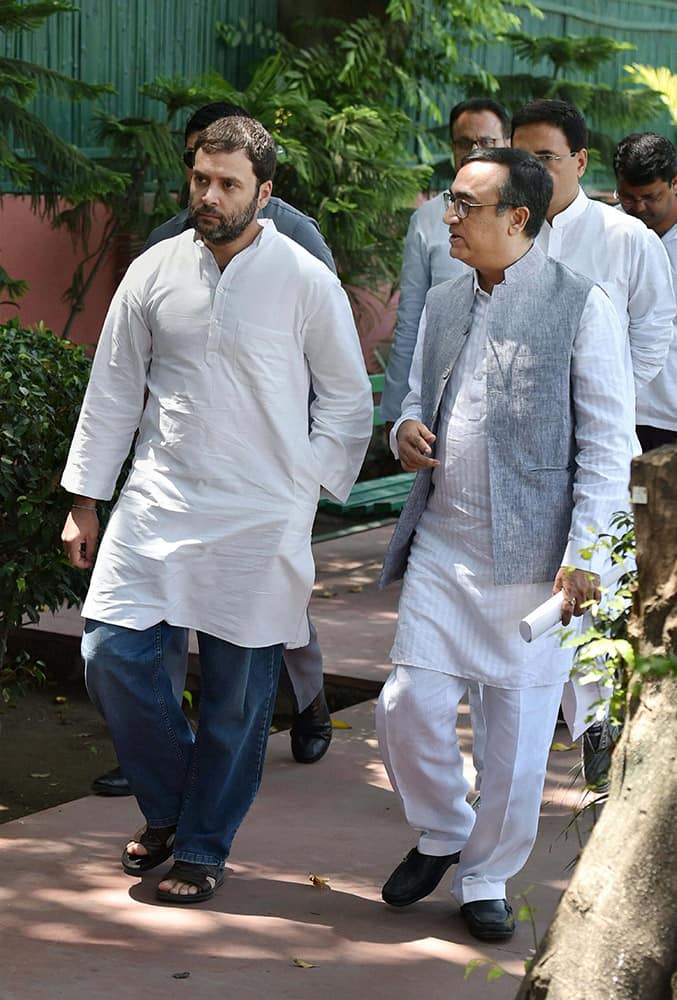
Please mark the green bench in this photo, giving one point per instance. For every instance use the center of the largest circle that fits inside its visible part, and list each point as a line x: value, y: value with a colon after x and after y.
x: 382, y: 497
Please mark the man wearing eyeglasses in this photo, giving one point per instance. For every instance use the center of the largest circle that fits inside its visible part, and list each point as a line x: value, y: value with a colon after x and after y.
x: 477, y: 123
x: 628, y: 261
x: 311, y: 730
x: 645, y: 165
x: 608, y: 247
x: 521, y: 440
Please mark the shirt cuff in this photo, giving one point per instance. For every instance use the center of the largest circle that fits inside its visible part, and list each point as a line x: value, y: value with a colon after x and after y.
x: 598, y: 555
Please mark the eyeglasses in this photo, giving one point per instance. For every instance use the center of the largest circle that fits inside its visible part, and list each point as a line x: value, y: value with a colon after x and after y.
x: 630, y: 201
x: 467, y: 145
x: 551, y: 157
x: 189, y: 157
x: 462, y: 207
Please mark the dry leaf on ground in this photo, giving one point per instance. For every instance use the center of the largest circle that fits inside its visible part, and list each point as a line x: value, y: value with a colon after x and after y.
x: 319, y: 881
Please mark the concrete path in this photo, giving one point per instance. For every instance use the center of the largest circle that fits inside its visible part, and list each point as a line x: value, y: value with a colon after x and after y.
x: 72, y: 925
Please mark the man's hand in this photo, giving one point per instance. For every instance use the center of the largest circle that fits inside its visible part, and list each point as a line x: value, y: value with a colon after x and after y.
x: 80, y: 535
x: 414, y: 441
x: 578, y: 587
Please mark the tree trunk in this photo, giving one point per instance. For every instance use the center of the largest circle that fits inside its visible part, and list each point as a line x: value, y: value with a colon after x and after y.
x: 613, y: 935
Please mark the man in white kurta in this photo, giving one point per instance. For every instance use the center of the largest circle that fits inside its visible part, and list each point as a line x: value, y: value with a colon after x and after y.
x: 209, y: 349
x: 627, y: 260
x: 463, y: 596
x: 645, y: 165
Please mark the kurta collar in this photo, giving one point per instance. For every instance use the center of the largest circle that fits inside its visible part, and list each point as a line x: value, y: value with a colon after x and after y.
x: 572, y: 212
x: 267, y: 233
x: 518, y: 272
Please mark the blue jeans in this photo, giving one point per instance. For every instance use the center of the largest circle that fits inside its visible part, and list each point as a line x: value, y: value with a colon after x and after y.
x: 203, y: 785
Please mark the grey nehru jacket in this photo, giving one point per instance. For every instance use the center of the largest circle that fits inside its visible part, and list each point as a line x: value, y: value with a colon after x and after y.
x: 534, y: 319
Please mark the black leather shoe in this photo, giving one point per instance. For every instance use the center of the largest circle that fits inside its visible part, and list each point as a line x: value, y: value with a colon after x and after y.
x: 111, y: 783
x: 416, y: 877
x: 489, y: 919
x: 311, y: 731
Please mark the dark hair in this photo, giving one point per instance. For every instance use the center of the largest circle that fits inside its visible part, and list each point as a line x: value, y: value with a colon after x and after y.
x: 560, y: 114
x: 644, y: 157
x: 210, y: 113
x: 529, y: 184
x: 480, y: 104
x: 227, y: 135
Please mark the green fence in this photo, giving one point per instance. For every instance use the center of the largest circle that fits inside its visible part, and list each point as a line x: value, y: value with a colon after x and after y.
x: 127, y: 43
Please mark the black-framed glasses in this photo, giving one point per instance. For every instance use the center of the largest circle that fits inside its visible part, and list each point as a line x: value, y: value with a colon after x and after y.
x: 467, y: 145
x: 462, y: 207
x: 189, y: 157
x: 552, y: 157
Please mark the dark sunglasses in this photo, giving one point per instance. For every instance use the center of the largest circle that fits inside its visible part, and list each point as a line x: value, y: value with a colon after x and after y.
x: 189, y: 158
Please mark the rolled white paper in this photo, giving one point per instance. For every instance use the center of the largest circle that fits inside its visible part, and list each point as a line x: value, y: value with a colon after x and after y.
x: 548, y: 614
x: 542, y: 618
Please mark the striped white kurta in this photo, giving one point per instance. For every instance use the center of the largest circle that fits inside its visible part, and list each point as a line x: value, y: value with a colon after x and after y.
x: 453, y: 618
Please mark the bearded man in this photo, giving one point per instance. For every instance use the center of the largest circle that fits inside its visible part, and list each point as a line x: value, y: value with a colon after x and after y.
x: 209, y: 349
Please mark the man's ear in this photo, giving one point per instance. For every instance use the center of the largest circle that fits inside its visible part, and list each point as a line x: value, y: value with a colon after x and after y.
x: 581, y: 161
x: 518, y: 219
x: 265, y: 191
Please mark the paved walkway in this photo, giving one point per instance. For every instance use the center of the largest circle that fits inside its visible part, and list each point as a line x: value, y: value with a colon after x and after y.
x: 72, y: 925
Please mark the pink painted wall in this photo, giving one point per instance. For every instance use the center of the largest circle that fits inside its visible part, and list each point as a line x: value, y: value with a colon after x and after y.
x: 46, y: 259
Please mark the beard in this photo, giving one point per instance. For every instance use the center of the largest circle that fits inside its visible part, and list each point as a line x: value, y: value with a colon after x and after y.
x: 228, y: 228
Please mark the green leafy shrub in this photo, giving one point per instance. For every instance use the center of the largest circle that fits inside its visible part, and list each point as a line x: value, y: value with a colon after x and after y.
x: 42, y: 382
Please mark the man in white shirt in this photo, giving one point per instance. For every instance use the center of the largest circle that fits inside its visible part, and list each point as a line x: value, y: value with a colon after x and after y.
x: 628, y: 261
x: 209, y: 349
x: 532, y: 442
x: 645, y: 165
x: 612, y: 249
x: 311, y: 730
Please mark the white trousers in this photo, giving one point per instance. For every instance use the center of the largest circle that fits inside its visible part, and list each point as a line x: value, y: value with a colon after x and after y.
x: 416, y: 725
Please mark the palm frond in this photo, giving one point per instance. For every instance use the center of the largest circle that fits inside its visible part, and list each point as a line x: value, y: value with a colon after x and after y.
x: 48, y: 81
x: 56, y: 166
x: 584, y: 53
x: 660, y: 80
x: 143, y: 141
x: 16, y: 16
x: 176, y: 93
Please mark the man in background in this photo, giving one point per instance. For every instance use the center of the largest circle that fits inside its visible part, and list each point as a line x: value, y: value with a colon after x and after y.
x: 477, y: 123
x: 645, y: 165
x: 628, y: 261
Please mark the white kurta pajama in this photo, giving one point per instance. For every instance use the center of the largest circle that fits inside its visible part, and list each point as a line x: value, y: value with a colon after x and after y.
x: 212, y: 529
x: 455, y: 621
x: 627, y: 260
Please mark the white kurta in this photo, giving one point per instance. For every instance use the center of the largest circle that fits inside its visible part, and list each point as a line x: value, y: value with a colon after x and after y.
x: 453, y: 618
x: 657, y: 401
x: 212, y: 530
x: 627, y: 260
